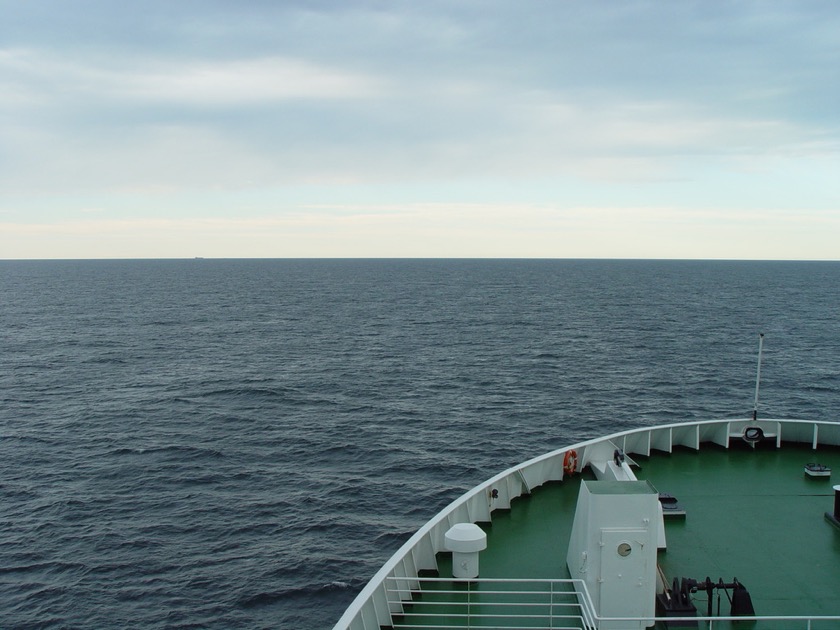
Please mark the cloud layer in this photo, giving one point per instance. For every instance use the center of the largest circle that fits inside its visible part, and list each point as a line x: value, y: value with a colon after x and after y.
x: 197, y: 112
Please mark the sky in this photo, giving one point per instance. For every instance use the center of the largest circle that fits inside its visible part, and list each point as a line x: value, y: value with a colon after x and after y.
x: 465, y: 128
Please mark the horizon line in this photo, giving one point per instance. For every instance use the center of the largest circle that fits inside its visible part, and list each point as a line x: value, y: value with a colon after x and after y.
x: 425, y: 258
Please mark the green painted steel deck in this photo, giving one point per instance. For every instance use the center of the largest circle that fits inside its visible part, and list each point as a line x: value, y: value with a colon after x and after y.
x: 751, y: 514
x: 755, y: 515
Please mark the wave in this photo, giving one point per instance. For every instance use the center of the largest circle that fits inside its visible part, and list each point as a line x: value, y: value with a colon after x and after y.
x: 304, y: 593
x: 191, y: 452
x: 245, y: 392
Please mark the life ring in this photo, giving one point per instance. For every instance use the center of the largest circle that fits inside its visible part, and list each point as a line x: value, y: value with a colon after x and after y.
x: 570, y: 462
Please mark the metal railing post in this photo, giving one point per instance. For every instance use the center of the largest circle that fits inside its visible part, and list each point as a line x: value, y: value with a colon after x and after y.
x: 469, y: 605
x: 551, y: 605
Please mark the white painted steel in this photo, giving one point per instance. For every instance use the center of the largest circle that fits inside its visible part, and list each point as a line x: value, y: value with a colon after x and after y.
x: 609, y: 517
x: 465, y: 541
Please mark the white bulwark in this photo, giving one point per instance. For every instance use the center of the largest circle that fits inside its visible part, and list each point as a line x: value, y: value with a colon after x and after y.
x: 613, y: 549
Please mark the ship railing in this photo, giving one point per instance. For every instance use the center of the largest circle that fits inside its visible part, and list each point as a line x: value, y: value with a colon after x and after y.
x: 765, y: 622
x: 562, y: 604
x: 488, y: 603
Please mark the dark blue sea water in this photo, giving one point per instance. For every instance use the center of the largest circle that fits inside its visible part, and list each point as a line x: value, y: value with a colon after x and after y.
x: 241, y: 444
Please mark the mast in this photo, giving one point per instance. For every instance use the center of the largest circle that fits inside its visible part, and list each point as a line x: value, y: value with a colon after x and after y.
x: 758, y: 375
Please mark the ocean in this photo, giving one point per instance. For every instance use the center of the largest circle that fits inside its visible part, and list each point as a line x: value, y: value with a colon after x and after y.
x: 242, y: 443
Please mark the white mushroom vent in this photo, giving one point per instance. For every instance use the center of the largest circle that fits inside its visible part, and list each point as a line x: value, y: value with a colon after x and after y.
x: 465, y: 540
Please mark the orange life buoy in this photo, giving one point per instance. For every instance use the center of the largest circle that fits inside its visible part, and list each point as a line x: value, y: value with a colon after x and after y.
x: 570, y: 462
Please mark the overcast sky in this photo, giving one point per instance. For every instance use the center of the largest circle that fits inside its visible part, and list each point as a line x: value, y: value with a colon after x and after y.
x: 558, y: 129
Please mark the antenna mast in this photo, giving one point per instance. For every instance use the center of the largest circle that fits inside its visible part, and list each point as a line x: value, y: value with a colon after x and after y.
x: 758, y: 375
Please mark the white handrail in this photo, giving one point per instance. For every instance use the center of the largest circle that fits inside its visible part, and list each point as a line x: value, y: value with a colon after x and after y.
x: 461, y: 604
x: 480, y: 606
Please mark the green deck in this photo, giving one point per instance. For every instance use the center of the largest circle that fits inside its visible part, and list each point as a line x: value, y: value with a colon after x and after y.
x: 757, y: 517
x: 751, y: 514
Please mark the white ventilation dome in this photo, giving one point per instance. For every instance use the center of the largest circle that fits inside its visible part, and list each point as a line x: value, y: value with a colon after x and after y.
x: 465, y: 540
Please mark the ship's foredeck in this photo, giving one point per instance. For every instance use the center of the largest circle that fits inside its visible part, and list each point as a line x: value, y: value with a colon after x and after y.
x: 755, y: 516
x: 752, y: 514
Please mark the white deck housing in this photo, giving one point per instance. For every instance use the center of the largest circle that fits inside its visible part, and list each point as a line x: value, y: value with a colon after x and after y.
x: 613, y: 549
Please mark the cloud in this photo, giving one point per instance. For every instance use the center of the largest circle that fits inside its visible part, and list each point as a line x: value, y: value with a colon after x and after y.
x: 203, y: 84
x: 443, y: 230
x: 361, y: 93
x: 228, y: 110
